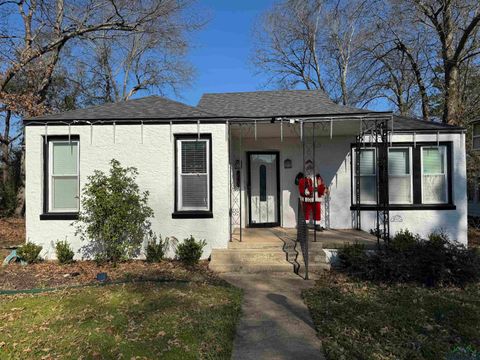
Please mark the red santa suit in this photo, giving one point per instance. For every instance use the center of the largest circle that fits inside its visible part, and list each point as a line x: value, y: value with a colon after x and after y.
x: 311, y: 190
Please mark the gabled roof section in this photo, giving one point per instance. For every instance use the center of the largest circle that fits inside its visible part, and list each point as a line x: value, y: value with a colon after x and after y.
x: 272, y: 103
x: 150, y: 107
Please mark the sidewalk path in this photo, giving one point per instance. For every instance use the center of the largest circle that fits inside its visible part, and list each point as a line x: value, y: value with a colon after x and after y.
x: 275, y: 323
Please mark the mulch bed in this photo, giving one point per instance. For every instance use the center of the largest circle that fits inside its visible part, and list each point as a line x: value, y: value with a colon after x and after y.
x: 51, y: 274
x: 12, y: 231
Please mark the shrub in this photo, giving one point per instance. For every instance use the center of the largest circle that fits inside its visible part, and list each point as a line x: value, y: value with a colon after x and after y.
x: 115, y: 215
x: 352, y: 256
x: 29, y: 252
x: 404, y: 240
x: 156, y: 249
x: 408, y: 258
x: 64, y: 252
x: 190, y: 251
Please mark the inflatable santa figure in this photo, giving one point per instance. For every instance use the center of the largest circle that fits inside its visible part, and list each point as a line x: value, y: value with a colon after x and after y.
x: 311, y: 189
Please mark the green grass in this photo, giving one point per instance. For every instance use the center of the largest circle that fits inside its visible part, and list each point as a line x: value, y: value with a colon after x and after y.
x: 361, y: 320
x: 148, y: 320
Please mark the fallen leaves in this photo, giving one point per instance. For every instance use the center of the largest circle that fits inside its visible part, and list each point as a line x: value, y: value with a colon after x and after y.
x: 51, y: 274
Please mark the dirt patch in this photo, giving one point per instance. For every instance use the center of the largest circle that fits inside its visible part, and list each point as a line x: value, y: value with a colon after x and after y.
x: 52, y: 274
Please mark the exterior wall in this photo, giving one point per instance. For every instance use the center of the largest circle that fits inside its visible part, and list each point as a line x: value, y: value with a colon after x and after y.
x: 332, y: 161
x: 334, y: 164
x: 154, y: 160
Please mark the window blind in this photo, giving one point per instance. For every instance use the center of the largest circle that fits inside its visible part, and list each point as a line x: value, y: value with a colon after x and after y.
x: 434, y: 178
x: 194, y: 175
x: 194, y: 157
x: 400, y: 181
x: 368, y: 191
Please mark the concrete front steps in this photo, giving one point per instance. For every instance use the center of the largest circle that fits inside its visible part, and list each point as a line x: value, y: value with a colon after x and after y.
x: 279, y: 254
x: 250, y: 260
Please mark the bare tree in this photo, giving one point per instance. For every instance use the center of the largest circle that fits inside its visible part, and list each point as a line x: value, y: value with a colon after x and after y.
x: 119, y: 70
x: 453, y: 27
x: 286, y: 44
x: 318, y: 45
x: 31, y: 53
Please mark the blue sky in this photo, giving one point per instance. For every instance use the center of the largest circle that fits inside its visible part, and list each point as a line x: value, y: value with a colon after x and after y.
x: 222, y: 50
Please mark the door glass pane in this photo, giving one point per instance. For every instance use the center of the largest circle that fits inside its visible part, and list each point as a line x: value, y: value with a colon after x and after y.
x: 65, y: 158
x: 65, y: 192
x: 263, y: 183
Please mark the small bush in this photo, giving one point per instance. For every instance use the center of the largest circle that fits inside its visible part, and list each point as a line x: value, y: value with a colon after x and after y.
x: 114, y: 219
x: 408, y: 258
x: 29, y: 252
x: 190, y: 251
x: 404, y: 240
x: 64, y: 252
x: 156, y: 249
x: 352, y: 256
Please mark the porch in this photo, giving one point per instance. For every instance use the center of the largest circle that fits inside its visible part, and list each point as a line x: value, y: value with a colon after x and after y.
x: 277, y: 249
x: 329, y: 238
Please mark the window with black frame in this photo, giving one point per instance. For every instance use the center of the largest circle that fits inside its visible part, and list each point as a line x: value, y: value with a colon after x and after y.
x: 419, y: 175
x: 193, y: 175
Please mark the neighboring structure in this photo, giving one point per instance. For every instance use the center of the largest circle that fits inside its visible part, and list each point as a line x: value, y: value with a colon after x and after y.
x: 231, y: 162
x: 474, y: 181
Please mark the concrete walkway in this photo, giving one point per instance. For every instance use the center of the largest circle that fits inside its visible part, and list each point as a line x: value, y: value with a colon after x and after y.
x: 275, y: 323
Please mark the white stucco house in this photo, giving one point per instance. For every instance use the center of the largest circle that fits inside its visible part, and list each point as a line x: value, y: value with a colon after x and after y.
x: 231, y: 162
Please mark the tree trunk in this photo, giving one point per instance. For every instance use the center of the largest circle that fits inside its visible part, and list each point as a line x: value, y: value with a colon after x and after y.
x: 20, y: 209
x: 5, y: 149
x: 451, y: 103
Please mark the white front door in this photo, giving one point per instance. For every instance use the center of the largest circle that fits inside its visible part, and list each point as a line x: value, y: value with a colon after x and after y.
x: 263, y: 189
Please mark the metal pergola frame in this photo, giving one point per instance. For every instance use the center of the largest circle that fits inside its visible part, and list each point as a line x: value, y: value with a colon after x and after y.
x: 376, y: 128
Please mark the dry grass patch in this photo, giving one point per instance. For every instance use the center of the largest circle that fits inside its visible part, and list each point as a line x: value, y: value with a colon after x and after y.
x: 363, y: 320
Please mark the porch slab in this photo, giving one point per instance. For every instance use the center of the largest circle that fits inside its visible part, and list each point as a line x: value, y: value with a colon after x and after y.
x: 329, y: 239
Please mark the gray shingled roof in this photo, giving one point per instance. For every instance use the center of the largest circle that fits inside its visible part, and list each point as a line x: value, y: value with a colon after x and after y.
x: 272, y: 103
x: 150, y: 107
x: 409, y: 124
x: 219, y: 106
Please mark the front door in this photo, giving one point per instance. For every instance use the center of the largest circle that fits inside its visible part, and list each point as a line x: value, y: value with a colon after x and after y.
x: 264, y: 188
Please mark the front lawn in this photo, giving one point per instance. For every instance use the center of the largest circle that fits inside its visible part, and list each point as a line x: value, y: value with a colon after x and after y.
x: 363, y: 320
x: 143, y: 320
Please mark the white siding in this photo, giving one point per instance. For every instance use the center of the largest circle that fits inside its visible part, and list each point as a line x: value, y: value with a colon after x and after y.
x: 154, y: 160
x: 333, y: 163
